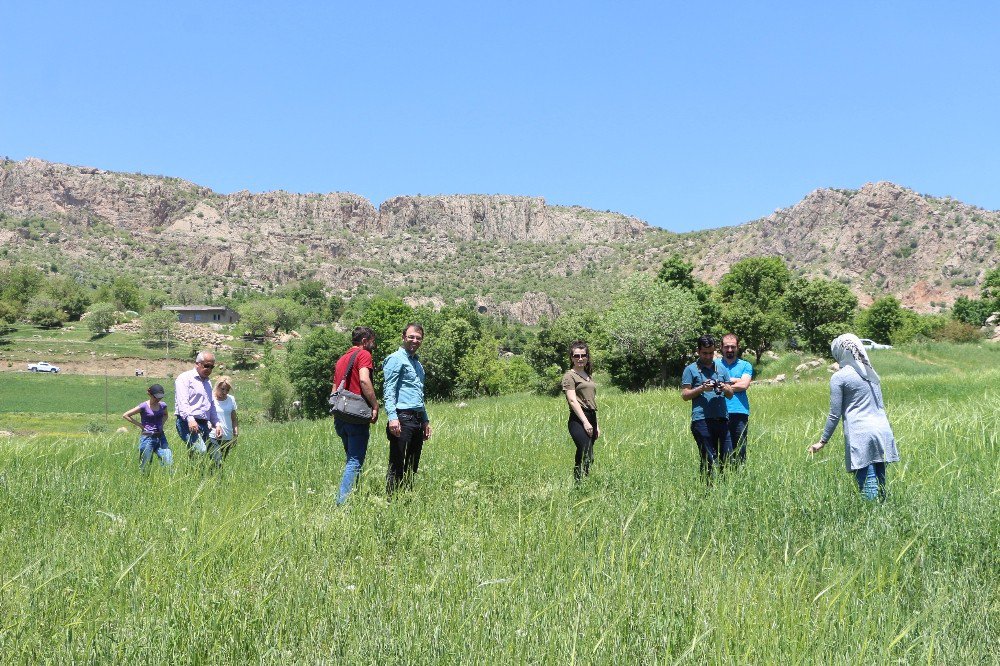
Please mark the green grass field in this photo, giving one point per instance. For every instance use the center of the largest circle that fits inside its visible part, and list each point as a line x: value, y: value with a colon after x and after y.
x: 496, y: 557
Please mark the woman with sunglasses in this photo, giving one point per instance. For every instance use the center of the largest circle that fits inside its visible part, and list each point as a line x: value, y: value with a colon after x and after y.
x: 581, y: 394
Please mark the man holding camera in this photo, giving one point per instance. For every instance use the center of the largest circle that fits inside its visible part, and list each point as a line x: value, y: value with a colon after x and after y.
x: 738, y: 406
x: 706, y: 384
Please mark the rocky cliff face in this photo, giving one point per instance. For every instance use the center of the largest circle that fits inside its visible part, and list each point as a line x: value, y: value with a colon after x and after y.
x: 881, y: 239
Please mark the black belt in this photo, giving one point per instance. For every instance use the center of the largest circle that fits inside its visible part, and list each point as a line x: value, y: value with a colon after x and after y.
x: 410, y: 411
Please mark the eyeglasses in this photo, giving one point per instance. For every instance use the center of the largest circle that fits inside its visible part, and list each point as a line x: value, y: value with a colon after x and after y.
x: 207, y: 366
x: 580, y: 355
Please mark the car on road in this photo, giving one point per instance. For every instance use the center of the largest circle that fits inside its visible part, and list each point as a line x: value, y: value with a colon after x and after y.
x: 43, y: 366
x: 871, y: 344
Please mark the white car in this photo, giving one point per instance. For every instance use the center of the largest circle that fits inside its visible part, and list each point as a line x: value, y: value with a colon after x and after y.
x: 871, y: 344
x: 43, y: 366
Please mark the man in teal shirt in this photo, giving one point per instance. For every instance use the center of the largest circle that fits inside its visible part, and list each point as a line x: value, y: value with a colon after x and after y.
x: 403, y: 397
x: 741, y: 374
x: 705, y: 383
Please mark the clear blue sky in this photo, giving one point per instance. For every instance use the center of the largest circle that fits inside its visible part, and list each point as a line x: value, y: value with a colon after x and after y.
x: 688, y: 117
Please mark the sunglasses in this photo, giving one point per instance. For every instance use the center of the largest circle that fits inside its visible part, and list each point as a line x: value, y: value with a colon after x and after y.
x: 580, y: 355
x: 207, y: 366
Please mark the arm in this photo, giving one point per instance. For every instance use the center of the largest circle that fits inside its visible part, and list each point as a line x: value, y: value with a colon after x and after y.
x: 833, y: 418
x: 181, y: 398
x: 367, y: 390
x: 742, y: 384
x: 236, y: 424
x: 574, y: 406
x: 688, y: 393
x: 130, y: 413
x: 390, y: 391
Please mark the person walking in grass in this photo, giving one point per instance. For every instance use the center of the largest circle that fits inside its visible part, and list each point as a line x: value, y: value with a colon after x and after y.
x: 856, y: 397
x: 354, y: 436
x: 403, y: 395
x: 152, y: 415
x: 194, y: 408
x: 229, y: 423
x: 581, y: 396
x: 706, y: 384
x: 738, y: 407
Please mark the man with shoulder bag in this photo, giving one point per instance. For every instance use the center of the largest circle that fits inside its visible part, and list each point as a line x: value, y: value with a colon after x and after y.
x: 354, y: 405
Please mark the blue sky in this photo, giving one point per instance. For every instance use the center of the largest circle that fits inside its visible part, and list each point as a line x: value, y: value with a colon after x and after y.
x: 687, y: 117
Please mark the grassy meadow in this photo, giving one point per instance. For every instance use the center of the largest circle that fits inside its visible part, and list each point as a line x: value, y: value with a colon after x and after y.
x: 495, y: 556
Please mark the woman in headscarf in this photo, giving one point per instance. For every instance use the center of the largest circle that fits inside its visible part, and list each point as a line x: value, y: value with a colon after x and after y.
x: 856, y: 395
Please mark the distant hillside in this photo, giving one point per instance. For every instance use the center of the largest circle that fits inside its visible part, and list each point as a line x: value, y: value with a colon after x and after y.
x: 512, y: 255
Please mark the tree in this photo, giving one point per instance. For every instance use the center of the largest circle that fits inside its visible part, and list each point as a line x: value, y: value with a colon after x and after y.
x: 448, y: 341
x: 310, y: 368
x: 820, y: 310
x: 972, y: 311
x: 277, y: 389
x: 677, y: 272
x: 21, y: 284
x: 286, y: 313
x: 552, y: 341
x: 752, y: 306
x: 69, y: 295
x: 101, y: 317
x: 8, y: 314
x: 881, y: 320
x: 991, y: 287
x: 45, y: 313
x: 256, y: 318
x: 386, y: 315
x: 126, y: 294
x: 159, y: 325
x: 649, y: 326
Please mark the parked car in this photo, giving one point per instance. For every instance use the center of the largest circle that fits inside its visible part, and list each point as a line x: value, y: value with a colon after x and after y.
x: 43, y: 366
x: 871, y: 344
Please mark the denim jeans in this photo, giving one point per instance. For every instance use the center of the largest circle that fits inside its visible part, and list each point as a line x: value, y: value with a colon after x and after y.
x: 355, y: 438
x: 738, y: 436
x: 149, y: 444
x: 190, y: 438
x: 871, y: 480
x: 714, y: 444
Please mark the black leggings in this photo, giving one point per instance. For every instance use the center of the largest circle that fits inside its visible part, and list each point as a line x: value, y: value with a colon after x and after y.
x: 584, y: 442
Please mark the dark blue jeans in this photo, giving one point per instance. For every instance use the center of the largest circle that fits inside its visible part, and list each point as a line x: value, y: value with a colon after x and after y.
x: 714, y: 444
x: 355, y: 439
x: 738, y: 436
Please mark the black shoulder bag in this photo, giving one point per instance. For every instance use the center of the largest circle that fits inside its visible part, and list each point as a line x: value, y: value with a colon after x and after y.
x: 347, y: 405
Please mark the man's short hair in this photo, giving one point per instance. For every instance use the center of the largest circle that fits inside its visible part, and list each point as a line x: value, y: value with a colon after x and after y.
x: 415, y: 325
x: 360, y: 334
x: 730, y: 335
x: 706, y: 341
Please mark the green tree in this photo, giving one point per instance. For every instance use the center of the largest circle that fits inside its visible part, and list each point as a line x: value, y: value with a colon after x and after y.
x: 881, y: 319
x: 448, y: 342
x: 335, y: 307
x: 751, y: 302
x: 287, y: 314
x: 991, y: 287
x: 551, y: 343
x: 8, y: 314
x: 45, y: 313
x: 126, y: 294
x: 69, y: 295
x: 972, y: 311
x: 820, y: 310
x: 159, y: 326
x: 386, y: 315
x: 20, y: 284
x: 277, y: 389
x: 649, y: 327
x: 677, y: 272
x: 310, y: 368
x: 101, y: 317
x: 256, y: 318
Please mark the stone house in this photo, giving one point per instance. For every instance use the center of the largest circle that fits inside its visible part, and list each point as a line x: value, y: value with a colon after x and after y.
x: 204, y: 314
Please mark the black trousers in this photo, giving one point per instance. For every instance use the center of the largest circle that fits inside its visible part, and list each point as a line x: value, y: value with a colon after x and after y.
x: 584, y: 442
x: 714, y: 444
x: 738, y: 436
x: 404, y: 450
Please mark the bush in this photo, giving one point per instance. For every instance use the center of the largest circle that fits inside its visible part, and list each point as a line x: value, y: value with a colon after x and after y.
x: 310, y: 368
x: 101, y: 317
x: 957, y: 331
x: 549, y: 381
x: 244, y: 355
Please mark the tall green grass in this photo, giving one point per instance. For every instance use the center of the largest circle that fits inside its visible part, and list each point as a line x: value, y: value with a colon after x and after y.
x: 495, y: 556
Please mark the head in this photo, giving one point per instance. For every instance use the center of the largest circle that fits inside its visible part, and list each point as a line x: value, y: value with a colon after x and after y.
x: 579, y: 356
x: 847, y: 350
x: 363, y: 337
x: 706, y: 350
x: 156, y: 392
x: 204, y: 363
x: 730, y: 347
x: 223, y: 386
x: 413, y: 335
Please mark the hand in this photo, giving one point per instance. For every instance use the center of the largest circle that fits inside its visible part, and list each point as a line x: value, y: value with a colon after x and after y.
x: 589, y: 429
x: 395, y: 428
x: 374, y: 413
x: 816, y: 447
x: 192, y: 424
x: 727, y: 389
x: 218, y: 431
x: 597, y: 433
x: 427, y: 430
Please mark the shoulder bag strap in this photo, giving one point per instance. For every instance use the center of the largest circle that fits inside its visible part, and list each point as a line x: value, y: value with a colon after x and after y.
x: 350, y: 366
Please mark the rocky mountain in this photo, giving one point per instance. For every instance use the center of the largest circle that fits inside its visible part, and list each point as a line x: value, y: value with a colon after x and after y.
x: 509, y: 255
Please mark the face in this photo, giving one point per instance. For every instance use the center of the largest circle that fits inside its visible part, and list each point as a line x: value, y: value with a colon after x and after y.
x: 729, y: 348
x: 706, y: 355
x: 221, y: 390
x: 412, y: 339
x: 368, y: 344
x: 580, y: 357
x: 205, y: 367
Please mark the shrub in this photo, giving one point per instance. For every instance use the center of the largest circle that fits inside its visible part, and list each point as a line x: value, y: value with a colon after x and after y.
x: 957, y: 331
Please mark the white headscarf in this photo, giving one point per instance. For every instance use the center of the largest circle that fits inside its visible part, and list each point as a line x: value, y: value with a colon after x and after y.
x: 847, y: 350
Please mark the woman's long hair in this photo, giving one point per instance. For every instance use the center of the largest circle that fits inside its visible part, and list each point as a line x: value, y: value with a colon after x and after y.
x: 580, y: 344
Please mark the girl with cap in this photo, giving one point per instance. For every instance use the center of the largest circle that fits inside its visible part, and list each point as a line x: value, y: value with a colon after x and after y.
x: 856, y: 396
x: 152, y: 413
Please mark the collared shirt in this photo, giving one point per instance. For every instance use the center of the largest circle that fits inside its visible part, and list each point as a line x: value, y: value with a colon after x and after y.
x: 709, y: 404
x: 403, y: 383
x: 193, y: 397
x: 740, y: 402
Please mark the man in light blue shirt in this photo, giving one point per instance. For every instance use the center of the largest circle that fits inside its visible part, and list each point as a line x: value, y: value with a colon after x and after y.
x: 741, y: 374
x: 706, y: 384
x: 403, y: 397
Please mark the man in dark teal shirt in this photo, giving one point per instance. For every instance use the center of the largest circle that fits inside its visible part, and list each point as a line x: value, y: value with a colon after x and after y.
x: 403, y: 397
x: 706, y: 384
